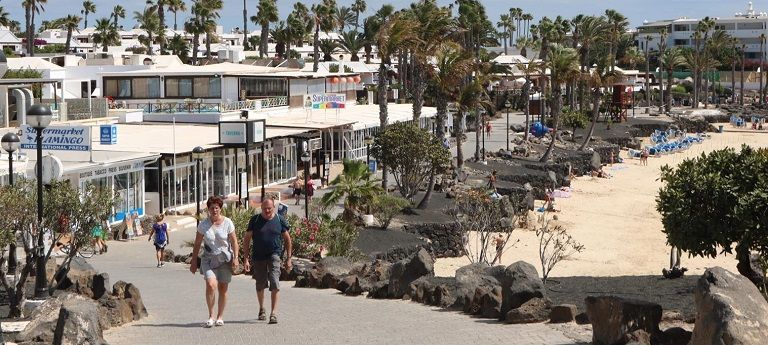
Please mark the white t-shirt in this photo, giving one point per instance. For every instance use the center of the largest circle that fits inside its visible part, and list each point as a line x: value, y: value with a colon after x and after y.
x: 216, y: 237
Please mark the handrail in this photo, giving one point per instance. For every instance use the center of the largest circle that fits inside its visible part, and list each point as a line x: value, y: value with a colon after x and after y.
x: 193, y: 106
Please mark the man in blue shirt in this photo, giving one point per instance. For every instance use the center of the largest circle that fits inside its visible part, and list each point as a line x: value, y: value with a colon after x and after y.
x: 267, y: 232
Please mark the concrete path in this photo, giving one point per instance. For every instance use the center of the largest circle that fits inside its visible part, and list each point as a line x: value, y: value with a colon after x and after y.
x: 174, y: 299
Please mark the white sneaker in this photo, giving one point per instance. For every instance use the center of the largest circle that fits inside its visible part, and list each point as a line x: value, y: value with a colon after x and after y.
x: 209, y: 323
x: 219, y: 322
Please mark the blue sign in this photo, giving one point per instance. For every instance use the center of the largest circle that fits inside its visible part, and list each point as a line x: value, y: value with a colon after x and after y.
x: 108, y: 134
x: 372, y: 165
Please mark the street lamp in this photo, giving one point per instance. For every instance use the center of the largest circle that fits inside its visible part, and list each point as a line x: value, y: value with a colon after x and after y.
x: 305, y: 158
x: 39, y: 116
x: 10, y: 143
x: 197, y: 155
x: 368, y: 141
x: 507, y: 105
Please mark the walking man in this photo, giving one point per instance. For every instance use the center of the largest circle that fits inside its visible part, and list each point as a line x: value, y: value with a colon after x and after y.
x: 267, y: 232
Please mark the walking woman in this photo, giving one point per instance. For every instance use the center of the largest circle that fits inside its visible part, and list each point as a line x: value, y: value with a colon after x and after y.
x: 217, y: 235
x: 160, y: 232
x: 296, y: 185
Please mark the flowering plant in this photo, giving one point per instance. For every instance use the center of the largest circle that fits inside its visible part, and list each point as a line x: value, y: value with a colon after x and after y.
x: 306, y: 233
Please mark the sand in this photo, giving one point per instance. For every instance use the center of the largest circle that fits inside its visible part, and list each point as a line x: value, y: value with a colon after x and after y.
x: 616, y: 220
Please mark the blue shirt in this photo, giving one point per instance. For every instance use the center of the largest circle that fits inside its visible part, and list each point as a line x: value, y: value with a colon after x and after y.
x: 267, y: 236
x: 161, y: 231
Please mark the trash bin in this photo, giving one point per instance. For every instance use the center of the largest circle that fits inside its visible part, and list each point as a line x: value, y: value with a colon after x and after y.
x: 720, y: 129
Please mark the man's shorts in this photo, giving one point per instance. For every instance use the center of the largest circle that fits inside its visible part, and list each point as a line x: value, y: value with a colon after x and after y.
x: 267, y: 272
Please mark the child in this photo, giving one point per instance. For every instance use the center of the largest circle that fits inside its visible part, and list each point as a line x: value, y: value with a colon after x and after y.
x: 161, y: 237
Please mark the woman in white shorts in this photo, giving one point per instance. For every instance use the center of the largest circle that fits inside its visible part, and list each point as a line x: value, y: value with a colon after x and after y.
x: 217, y: 236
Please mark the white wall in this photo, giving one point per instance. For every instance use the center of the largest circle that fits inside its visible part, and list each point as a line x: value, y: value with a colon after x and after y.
x: 229, y: 89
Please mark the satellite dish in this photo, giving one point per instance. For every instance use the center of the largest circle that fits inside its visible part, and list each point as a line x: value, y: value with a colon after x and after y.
x: 53, y: 169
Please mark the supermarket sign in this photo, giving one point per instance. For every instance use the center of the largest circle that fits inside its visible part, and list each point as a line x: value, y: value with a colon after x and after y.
x: 58, y: 138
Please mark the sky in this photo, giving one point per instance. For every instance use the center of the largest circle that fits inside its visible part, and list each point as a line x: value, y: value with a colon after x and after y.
x: 231, y: 16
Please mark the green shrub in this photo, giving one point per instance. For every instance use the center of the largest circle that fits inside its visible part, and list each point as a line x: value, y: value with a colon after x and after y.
x: 385, y: 207
x: 338, y: 236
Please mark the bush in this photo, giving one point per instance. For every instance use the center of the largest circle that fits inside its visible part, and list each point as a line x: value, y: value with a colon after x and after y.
x: 338, y: 236
x: 385, y: 207
x: 306, y: 234
x: 240, y: 217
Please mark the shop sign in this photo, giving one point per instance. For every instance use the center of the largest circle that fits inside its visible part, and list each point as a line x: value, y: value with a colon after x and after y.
x: 58, y: 138
x: 232, y: 133
x: 108, y: 134
x: 113, y: 170
x: 258, y: 131
x: 328, y: 101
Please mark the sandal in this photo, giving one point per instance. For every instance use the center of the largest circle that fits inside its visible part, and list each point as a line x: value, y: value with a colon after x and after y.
x: 209, y: 323
x: 262, y: 315
x: 219, y: 322
x: 272, y: 319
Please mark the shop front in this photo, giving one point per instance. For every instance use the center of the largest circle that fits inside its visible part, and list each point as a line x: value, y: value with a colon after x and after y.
x: 125, y: 179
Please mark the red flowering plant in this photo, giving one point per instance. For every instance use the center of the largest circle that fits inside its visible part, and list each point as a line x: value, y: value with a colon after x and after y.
x: 306, y: 233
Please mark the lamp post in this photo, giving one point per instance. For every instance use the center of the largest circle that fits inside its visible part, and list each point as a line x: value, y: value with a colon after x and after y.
x: 368, y: 141
x: 508, y: 106
x: 197, y: 155
x: 11, y: 143
x: 305, y: 158
x: 39, y: 116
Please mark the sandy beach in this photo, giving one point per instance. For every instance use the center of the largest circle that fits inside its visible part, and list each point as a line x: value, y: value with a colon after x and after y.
x: 616, y: 219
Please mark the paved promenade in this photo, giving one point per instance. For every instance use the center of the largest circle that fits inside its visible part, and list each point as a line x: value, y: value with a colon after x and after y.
x: 176, y: 305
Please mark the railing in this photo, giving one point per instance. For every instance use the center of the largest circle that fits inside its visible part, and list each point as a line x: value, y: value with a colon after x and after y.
x: 193, y: 106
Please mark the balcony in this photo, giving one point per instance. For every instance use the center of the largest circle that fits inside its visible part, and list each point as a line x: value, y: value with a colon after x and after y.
x: 199, y: 111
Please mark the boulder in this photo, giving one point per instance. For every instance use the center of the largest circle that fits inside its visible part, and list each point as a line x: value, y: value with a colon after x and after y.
x: 404, y: 272
x: 613, y: 317
x: 729, y: 310
x: 78, y: 278
x: 534, y: 310
x: 100, y: 287
x: 379, y: 290
x: 301, y: 282
x: 78, y: 323
x: 43, y: 320
x: 168, y: 255
x: 116, y: 312
x: 133, y: 297
x: 676, y: 336
x: 563, y: 313
x: 519, y: 283
x: 637, y: 337
x: 582, y: 319
x: 490, y: 306
x: 377, y: 270
x: 345, y: 282
x: 357, y: 288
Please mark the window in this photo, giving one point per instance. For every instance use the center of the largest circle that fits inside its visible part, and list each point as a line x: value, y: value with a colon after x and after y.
x: 144, y: 87
x: 681, y: 27
x: 725, y: 26
x: 681, y: 42
x: 751, y: 26
x: 263, y: 87
x: 198, y: 87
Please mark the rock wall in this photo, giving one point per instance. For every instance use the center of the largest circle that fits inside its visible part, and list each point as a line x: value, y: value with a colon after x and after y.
x: 446, y: 240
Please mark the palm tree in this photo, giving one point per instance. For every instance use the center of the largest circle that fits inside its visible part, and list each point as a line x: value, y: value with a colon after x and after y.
x: 523, y: 44
x: 356, y: 185
x: 281, y: 34
x: 507, y: 26
x: 117, y: 12
x: 352, y: 42
x: 672, y: 59
x: 266, y: 13
x: 598, y: 78
x: 452, y: 64
x: 202, y: 22
x: 762, y: 68
x: 436, y: 26
x: 88, y: 7
x: 70, y: 23
x: 345, y: 16
x: 397, y: 32
x: 328, y: 47
x: 618, y: 25
x: 324, y: 14
x: 592, y: 31
x: 359, y: 6
x: 743, y: 51
x: 527, y: 17
x: 371, y: 26
x: 150, y: 22
x: 31, y: 8
x: 5, y: 19
x: 210, y: 15
x: 179, y: 47
x: 159, y: 8
x: 533, y: 67
x: 106, y: 34
x: 703, y: 28
x: 647, y: 71
x: 175, y: 6
x: 516, y: 14
x: 300, y: 22
x: 563, y: 65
